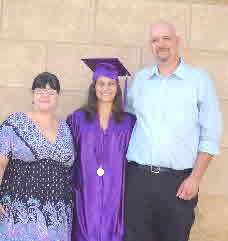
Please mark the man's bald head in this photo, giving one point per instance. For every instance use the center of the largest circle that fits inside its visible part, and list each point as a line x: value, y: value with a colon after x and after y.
x: 164, y: 42
x: 163, y: 26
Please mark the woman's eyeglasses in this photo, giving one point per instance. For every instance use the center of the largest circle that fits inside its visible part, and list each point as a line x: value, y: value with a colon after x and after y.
x: 39, y: 91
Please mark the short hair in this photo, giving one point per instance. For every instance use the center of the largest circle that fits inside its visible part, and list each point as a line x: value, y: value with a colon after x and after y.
x: 46, y: 78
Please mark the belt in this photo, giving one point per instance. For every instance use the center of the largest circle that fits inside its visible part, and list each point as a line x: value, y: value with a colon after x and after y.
x: 158, y: 170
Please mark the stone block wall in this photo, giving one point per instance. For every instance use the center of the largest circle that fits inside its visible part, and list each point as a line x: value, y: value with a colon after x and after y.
x: 53, y: 35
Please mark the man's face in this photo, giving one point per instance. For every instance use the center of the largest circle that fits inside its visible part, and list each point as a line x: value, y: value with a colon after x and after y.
x: 164, y: 43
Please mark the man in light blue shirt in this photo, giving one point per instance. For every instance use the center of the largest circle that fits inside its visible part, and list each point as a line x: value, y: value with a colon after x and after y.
x: 176, y: 135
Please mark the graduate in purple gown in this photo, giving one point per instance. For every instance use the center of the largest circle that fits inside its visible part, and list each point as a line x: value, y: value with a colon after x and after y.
x: 101, y: 131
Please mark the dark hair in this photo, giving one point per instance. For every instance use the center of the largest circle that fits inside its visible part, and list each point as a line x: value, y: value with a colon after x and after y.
x: 42, y: 79
x: 91, y: 106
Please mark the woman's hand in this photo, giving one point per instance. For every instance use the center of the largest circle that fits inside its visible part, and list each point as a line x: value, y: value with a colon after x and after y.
x: 2, y: 210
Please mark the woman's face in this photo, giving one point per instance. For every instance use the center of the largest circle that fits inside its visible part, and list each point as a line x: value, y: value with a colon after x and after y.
x: 106, y: 89
x: 45, y: 99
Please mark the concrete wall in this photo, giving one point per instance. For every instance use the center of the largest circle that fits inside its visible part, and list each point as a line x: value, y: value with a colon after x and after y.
x: 52, y: 35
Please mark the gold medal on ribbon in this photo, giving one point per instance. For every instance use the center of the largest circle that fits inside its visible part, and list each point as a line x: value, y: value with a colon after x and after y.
x: 100, y: 172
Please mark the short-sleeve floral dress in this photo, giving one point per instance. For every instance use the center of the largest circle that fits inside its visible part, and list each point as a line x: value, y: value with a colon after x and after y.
x: 36, y: 187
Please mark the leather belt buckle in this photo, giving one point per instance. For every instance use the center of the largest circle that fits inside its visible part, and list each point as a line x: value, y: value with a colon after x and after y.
x: 155, y: 170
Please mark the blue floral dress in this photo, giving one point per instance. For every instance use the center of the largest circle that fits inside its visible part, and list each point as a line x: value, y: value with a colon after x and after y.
x: 36, y: 187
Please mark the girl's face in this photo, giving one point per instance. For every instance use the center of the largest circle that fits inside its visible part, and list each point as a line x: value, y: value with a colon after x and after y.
x: 106, y: 89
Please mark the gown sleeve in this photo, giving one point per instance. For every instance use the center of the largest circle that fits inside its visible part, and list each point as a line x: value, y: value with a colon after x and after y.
x: 73, y: 123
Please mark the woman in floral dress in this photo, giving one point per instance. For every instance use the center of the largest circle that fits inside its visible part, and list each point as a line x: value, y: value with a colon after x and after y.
x: 36, y: 156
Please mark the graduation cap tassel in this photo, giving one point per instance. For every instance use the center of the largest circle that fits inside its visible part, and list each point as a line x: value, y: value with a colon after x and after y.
x: 125, y: 90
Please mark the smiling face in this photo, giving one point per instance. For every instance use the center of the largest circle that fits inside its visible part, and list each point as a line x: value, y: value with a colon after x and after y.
x: 106, y: 89
x: 45, y: 99
x: 164, y: 43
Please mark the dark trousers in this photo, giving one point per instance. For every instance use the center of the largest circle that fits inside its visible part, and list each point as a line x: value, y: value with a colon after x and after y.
x: 152, y: 210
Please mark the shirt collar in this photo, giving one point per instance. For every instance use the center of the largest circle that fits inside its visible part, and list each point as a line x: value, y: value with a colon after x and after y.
x: 154, y: 70
x: 178, y: 72
x: 181, y: 69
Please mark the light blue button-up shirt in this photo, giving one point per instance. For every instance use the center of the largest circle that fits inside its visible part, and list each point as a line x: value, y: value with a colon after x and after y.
x: 177, y: 117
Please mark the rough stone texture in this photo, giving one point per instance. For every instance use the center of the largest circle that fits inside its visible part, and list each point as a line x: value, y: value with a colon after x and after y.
x: 212, y: 214
x: 54, y: 20
x: 20, y: 63
x: 213, y: 62
x: 69, y: 101
x: 128, y: 22
x: 208, y: 1
x: 215, y: 180
x: 54, y: 35
x: 208, y: 28
x: 14, y: 100
x: 66, y: 61
x: 0, y: 14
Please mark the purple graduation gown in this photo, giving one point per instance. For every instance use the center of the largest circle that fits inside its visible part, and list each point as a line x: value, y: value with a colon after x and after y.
x: 99, y: 200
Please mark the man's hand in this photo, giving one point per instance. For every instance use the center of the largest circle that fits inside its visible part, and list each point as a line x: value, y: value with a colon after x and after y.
x: 188, y: 188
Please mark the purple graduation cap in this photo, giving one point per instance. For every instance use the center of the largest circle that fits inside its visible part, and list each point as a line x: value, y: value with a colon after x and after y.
x: 108, y: 67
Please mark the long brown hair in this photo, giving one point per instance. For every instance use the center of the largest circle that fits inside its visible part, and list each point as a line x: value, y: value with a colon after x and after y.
x: 91, y: 106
